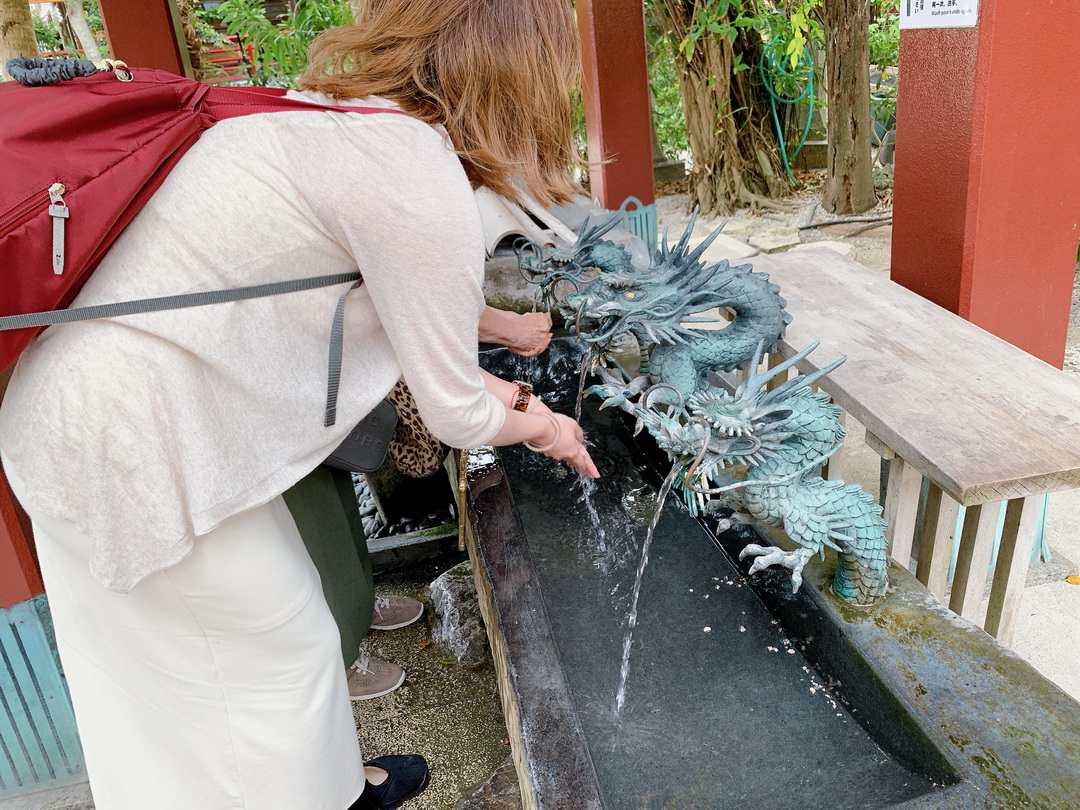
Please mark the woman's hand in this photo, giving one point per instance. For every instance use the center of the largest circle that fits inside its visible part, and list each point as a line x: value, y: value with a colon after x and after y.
x: 530, y: 334
x: 526, y: 335
x: 569, y: 445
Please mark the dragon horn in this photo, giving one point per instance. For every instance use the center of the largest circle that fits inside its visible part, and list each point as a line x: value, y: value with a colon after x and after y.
x: 684, y: 240
x: 599, y: 230
x: 805, y: 380
x: 758, y: 381
x: 755, y: 380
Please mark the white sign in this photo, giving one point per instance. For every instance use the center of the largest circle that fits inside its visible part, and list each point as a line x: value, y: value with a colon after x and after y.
x: 938, y: 13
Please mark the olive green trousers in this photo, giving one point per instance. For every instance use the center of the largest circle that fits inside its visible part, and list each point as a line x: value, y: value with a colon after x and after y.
x: 323, y: 505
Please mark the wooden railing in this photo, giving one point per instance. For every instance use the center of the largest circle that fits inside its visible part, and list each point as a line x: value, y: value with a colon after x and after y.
x: 943, y: 401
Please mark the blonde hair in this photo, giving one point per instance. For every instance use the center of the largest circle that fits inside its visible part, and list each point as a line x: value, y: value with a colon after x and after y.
x: 496, y: 73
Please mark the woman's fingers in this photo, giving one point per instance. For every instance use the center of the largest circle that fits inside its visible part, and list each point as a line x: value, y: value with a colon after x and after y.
x: 571, y: 448
x: 589, y: 466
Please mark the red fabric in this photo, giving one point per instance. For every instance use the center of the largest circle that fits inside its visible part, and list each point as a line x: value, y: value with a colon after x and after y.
x: 111, y: 144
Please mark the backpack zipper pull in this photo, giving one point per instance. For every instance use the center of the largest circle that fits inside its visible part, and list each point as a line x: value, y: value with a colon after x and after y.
x: 58, y: 210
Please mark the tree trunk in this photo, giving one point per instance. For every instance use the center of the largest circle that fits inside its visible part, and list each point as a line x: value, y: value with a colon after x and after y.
x: 77, y: 17
x: 735, y: 152
x: 849, y: 182
x: 16, y: 32
x: 191, y: 39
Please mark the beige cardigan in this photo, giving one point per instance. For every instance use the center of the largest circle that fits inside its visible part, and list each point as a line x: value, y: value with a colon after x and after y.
x: 148, y: 430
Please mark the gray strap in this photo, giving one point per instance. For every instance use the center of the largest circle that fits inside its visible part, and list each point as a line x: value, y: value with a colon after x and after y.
x: 333, y: 369
x: 337, y: 330
x: 199, y: 299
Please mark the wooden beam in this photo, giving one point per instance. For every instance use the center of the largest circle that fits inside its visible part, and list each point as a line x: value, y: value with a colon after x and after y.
x: 901, y: 509
x: 1010, y: 572
x: 20, y: 578
x: 615, y: 87
x: 936, y: 541
x: 973, y: 560
x: 146, y: 33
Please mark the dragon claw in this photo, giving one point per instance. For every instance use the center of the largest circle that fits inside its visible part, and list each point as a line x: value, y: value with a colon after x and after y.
x: 773, y: 555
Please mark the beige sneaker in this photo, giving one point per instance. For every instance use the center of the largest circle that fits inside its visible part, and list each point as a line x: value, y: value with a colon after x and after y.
x: 392, y: 612
x: 371, y: 678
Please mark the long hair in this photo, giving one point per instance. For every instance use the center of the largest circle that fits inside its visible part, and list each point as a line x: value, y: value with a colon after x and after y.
x: 496, y: 74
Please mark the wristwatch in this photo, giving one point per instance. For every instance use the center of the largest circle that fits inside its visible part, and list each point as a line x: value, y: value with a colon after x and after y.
x: 520, y: 400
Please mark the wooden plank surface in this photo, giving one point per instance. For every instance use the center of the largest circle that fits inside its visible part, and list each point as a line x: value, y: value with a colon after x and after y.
x: 980, y: 417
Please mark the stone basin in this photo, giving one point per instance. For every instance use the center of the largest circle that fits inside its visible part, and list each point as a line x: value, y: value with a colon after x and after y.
x: 739, y: 694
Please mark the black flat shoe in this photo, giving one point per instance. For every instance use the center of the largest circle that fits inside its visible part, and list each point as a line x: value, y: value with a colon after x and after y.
x: 407, y: 776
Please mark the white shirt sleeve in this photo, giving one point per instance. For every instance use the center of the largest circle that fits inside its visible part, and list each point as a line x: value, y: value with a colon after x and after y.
x: 392, y: 193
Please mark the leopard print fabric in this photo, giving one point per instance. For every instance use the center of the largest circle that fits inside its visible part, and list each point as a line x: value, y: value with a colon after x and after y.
x: 414, y: 450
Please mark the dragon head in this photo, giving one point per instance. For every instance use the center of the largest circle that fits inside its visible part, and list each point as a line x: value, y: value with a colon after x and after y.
x: 657, y: 304
x: 575, y: 265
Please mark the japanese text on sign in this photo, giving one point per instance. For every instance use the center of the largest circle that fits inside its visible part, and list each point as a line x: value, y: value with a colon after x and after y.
x: 938, y: 13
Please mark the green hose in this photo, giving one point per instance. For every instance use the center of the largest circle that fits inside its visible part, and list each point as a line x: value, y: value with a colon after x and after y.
x: 777, y: 69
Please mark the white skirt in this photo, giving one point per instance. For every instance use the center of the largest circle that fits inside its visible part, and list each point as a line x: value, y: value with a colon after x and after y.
x: 215, y: 684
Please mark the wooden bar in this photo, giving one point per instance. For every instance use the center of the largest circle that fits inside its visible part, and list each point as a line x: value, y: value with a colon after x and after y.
x: 901, y: 509
x: 547, y: 742
x: 878, y: 446
x: 146, y: 33
x: 973, y: 560
x: 936, y: 541
x: 615, y: 95
x: 1014, y: 557
x: 20, y: 577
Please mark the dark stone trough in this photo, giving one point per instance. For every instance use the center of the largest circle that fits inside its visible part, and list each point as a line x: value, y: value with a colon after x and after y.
x: 738, y: 694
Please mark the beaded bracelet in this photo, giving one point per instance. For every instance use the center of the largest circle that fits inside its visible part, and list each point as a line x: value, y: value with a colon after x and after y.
x: 553, y: 442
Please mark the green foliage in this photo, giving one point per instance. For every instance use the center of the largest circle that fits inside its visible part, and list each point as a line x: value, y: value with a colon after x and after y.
x: 47, y: 34
x: 281, y: 47
x: 884, y: 40
x: 664, y: 84
x: 791, y: 25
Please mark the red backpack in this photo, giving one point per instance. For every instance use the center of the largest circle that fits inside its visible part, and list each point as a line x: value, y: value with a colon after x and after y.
x: 79, y: 158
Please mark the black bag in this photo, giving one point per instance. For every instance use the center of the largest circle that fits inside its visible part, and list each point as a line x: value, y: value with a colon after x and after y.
x: 364, y: 449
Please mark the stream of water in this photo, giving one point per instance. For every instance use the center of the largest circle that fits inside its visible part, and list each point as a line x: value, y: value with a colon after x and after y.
x: 631, y: 622
x: 583, y: 373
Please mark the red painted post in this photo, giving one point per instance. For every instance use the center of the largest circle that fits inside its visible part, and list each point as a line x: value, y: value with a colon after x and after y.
x: 146, y: 33
x: 20, y: 578
x: 615, y: 86
x: 987, y: 189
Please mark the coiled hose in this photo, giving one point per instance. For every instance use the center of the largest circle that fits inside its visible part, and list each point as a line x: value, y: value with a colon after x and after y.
x: 770, y: 68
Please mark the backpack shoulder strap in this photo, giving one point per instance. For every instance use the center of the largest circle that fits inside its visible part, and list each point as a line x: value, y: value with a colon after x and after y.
x: 199, y: 299
x: 233, y: 102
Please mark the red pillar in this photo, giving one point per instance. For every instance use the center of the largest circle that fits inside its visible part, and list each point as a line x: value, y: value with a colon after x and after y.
x: 146, y: 33
x: 19, y: 576
x: 987, y: 190
x: 615, y: 86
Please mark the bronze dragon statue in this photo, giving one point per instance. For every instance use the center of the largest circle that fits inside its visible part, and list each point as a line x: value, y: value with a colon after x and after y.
x: 758, y: 450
